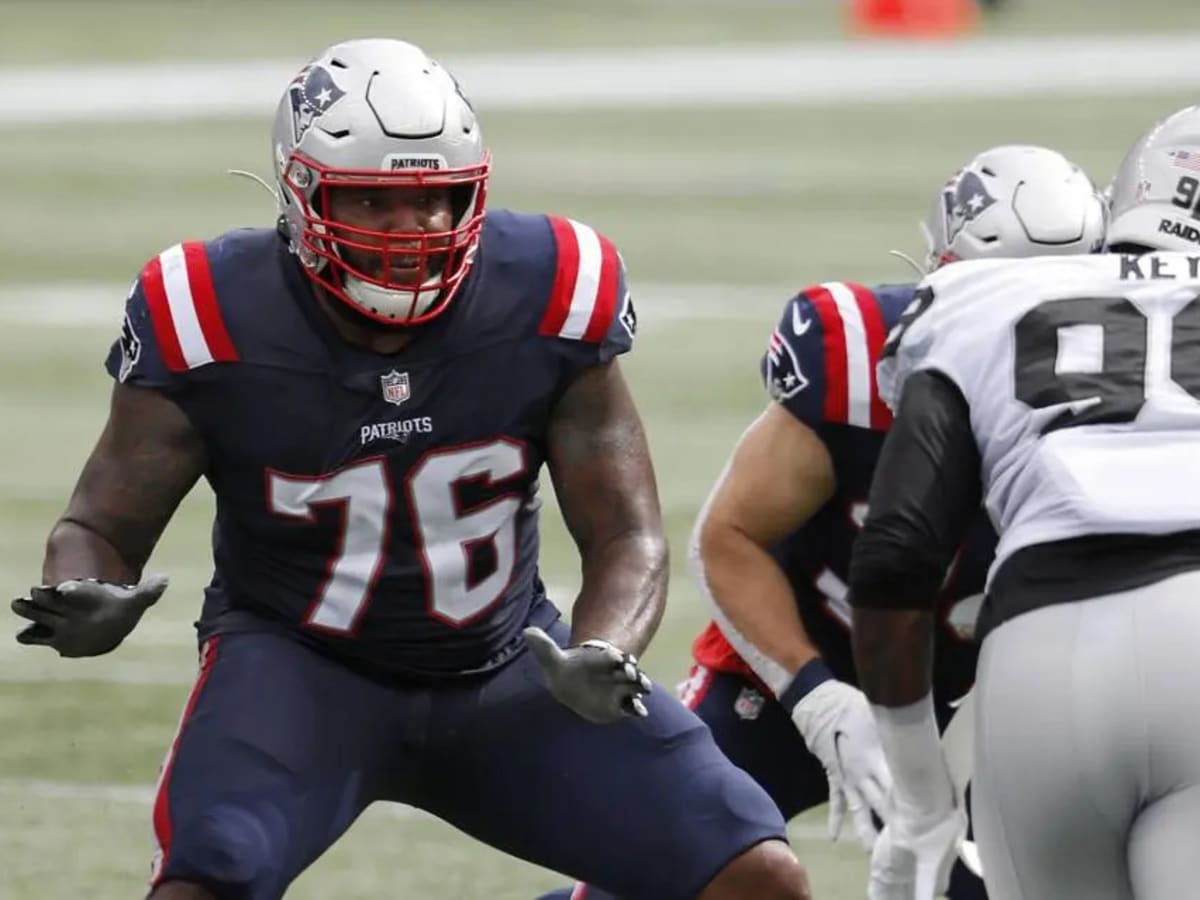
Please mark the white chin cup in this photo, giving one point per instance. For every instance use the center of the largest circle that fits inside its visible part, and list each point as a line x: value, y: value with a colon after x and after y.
x: 399, y: 305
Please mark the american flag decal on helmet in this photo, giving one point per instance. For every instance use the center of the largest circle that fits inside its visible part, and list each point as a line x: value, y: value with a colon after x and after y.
x: 784, y: 378
x: 1186, y: 159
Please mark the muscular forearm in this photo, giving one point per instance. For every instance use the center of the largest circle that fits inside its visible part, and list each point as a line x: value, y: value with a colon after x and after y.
x: 753, y: 603
x: 74, y: 550
x: 624, y: 591
x: 893, y: 654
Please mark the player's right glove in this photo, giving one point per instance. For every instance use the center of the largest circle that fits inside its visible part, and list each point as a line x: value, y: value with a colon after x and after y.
x: 85, y: 618
x: 596, y: 680
x: 926, y: 822
x: 914, y: 854
x: 835, y: 721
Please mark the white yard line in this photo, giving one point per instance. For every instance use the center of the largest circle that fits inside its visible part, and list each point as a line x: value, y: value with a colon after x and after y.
x: 697, y: 77
x: 72, y: 305
x: 134, y: 795
x: 143, y: 796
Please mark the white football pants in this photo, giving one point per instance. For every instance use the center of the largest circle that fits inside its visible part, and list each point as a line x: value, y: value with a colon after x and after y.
x: 1087, y: 749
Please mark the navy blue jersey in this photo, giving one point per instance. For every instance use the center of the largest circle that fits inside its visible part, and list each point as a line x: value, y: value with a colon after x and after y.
x: 382, y: 507
x: 820, y: 365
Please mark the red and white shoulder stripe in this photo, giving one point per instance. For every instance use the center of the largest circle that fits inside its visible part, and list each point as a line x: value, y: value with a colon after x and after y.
x: 853, y: 334
x: 187, y: 320
x: 583, y: 299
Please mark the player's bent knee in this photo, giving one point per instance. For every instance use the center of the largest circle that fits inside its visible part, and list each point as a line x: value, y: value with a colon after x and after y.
x: 767, y: 871
x: 233, y: 853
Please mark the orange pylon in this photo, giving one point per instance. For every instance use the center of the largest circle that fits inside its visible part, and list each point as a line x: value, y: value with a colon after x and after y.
x: 913, y: 18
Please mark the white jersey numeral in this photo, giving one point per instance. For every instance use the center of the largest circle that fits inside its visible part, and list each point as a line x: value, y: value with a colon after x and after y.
x: 364, y: 498
x: 833, y: 589
x: 446, y: 536
x: 836, y: 592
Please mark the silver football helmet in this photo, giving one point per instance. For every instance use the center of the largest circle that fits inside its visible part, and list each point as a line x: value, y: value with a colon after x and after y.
x: 1155, y: 196
x: 380, y: 114
x: 1015, y: 200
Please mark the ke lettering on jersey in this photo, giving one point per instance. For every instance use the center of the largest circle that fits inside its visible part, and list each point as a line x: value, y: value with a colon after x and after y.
x: 1169, y: 268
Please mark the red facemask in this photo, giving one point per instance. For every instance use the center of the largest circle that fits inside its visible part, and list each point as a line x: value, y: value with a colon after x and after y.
x: 436, y: 262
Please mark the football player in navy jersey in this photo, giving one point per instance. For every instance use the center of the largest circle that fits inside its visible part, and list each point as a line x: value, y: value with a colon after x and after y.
x: 774, y: 676
x: 371, y: 390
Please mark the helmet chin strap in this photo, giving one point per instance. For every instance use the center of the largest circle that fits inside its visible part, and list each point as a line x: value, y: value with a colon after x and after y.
x: 241, y: 173
x: 900, y: 254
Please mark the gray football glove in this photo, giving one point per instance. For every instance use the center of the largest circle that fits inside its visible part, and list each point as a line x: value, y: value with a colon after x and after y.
x: 85, y: 618
x: 595, y: 680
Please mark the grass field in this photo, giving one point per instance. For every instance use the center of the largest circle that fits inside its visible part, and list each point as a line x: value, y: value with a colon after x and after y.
x: 720, y: 215
x: 39, y: 32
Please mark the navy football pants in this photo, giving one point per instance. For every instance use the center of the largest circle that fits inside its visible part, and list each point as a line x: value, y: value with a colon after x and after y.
x: 757, y: 734
x: 280, y: 749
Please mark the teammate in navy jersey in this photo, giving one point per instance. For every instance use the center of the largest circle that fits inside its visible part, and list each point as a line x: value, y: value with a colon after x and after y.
x: 774, y: 676
x: 371, y: 390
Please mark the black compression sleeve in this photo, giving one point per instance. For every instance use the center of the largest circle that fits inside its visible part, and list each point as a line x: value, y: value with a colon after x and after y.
x: 924, y: 493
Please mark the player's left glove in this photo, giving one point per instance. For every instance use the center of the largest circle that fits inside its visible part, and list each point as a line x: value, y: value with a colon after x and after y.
x: 914, y: 854
x: 85, y: 618
x: 596, y: 680
x: 835, y: 720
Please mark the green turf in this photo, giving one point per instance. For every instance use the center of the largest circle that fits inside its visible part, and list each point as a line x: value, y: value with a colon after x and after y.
x: 756, y: 194
x: 764, y: 199
x: 42, y: 31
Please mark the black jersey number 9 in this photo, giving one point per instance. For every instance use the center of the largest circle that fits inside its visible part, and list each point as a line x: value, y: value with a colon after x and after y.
x: 1117, y: 391
x: 1187, y: 195
x: 920, y: 302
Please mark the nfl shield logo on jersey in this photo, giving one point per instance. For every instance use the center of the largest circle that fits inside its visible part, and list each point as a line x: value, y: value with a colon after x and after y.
x: 749, y: 704
x: 395, y: 386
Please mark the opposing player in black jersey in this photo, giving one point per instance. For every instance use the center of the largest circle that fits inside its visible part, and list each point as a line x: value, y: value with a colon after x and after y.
x: 371, y: 391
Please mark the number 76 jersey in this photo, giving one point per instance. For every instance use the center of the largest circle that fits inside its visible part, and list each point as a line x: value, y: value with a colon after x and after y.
x: 382, y: 508
x: 1082, y: 375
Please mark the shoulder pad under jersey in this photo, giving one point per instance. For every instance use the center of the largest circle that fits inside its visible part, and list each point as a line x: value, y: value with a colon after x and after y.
x: 589, y: 303
x: 820, y: 359
x: 173, y: 324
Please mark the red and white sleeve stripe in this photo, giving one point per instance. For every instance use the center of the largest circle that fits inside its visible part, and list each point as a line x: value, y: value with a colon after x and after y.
x: 854, y: 334
x: 583, y: 299
x: 183, y: 307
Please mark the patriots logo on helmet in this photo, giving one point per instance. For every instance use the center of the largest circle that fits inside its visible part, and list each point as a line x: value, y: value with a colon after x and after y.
x: 312, y: 93
x: 966, y: 198
x: 784, y: 378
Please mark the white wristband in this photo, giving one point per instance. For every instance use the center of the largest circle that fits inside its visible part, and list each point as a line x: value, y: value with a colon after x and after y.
x: 909, y: 735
